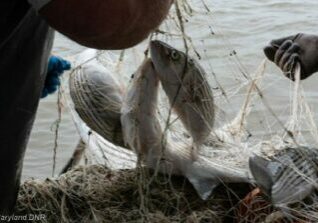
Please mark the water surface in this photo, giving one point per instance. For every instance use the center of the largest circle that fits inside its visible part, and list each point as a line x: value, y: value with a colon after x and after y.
x: 245, y: 26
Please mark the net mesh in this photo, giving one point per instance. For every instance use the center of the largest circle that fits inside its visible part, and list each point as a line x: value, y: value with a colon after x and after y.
x: 246, y: 125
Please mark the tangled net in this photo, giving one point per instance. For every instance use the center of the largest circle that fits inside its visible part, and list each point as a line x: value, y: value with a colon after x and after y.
x: 97, y: 194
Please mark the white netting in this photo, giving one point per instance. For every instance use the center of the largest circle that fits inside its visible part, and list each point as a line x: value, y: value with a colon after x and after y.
x: 246, y: 122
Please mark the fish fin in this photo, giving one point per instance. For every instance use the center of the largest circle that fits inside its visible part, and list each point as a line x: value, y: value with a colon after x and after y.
x: 261, y: 174
x: 203, y: 186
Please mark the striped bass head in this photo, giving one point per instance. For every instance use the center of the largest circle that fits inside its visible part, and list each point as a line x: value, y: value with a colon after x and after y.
x: 169, y: 61
x: 287, y: 177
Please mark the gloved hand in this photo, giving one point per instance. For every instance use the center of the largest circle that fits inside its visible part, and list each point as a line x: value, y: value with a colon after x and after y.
x: 56, y: 68
x: 302, y: 48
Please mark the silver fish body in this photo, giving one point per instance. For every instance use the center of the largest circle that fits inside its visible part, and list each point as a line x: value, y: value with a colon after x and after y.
x: 185, y: 83
x: 141, y: 128
x: 97, y: 98
x: 287, y: 177
x: 163, y: 151
x: 170, y: 152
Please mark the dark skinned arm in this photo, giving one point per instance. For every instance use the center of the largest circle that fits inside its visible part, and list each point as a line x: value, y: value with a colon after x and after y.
x: 106, y: 24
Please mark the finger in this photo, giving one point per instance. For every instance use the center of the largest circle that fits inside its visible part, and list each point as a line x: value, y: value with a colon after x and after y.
x: 278, y: 42
x: 294, y: 48
x: 291, y: 62
x: 290, y: 65
x: 270, y: 52
x: 281, y: 50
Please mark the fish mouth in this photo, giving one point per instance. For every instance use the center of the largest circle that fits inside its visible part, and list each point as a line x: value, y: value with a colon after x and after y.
x: 159, y: 48
x: 159, y: 52
x: 156, y: 49
x: 262, y: 175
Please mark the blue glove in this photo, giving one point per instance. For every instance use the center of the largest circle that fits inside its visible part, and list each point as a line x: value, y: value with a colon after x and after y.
x: 56, y: 68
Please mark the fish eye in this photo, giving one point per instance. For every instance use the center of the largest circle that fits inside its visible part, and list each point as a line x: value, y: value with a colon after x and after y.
x: 175, y: 55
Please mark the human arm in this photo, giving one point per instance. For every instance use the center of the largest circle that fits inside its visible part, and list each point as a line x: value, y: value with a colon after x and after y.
x: 106, y: 24
x: 286, y: 52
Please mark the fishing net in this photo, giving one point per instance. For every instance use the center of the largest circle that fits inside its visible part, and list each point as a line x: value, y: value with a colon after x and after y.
x: 97, y: 194
x: 113, y: 186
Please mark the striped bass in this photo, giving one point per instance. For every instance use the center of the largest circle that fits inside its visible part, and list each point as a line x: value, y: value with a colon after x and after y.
x: 287, y: 177
x: 185, y: 83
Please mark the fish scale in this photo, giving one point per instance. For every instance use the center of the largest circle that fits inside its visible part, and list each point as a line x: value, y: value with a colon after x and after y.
x: 216, y: 164
x: 293, y: 173
x: 97, y: 99
x: 185, y: 83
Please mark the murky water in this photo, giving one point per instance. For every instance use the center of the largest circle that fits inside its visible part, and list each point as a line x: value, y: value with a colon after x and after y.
x: 245, y: 26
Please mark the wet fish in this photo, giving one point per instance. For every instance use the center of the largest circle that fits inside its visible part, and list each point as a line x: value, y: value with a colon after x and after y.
x: 97, y: 97
x: 185, y: 83
x: 168, y: 152
x: 142, y: 130
x: 165, y: 152
x: 287, y: 177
